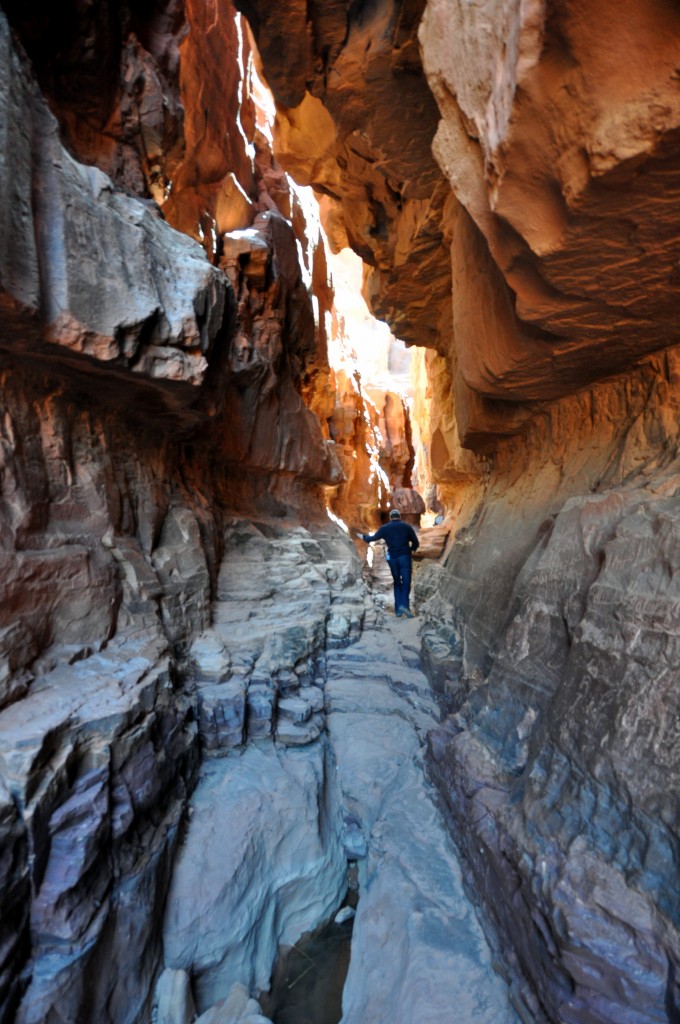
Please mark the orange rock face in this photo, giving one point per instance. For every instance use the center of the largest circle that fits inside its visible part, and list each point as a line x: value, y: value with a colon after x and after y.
x: 542, y: 268
x: 558, y: 136
x: 559, y: 152
x: 212, y: 184
x: 355, y: 121
x: 372, y: 435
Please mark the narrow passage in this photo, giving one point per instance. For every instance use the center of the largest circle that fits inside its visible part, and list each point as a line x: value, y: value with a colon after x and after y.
x: 278, y: 824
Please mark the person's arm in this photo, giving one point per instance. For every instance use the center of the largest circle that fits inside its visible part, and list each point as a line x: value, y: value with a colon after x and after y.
x: 413, y: 540
x: 370, y: 537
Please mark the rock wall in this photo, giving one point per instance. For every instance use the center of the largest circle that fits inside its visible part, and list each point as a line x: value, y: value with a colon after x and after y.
x: 553, y: 649
x: 150, y: 384
x: 508, y: 173
x: 542, y: 260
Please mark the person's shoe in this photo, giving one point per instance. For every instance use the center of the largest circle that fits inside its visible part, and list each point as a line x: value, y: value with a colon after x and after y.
x: 407, y: 613
x: 399, y: 612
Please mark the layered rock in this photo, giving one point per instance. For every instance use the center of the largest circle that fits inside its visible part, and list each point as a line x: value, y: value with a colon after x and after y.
x: 340, y: 76
x: 275, y: 343
x: 557, y: 747
x: 536, y: 255
x: 110, y: 74
x: 272, y: 829
x: 562, y: 149
x: 122, y: 369
x: 371, y: 430
x: 558, y: 137
x: 259, y: 667
x: 67, y: 231
x: 99, y: 747
x: 96, y: 760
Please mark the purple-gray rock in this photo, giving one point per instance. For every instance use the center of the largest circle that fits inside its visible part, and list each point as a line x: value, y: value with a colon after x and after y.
x: 559, y: 770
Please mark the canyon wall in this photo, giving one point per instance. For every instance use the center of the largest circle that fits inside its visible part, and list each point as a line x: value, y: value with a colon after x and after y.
x: 508, y: 172
x: 536, y: 256
x: 152, y: 384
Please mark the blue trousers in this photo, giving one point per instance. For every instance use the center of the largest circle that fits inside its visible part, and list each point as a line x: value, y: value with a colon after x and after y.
x: 401, y: 574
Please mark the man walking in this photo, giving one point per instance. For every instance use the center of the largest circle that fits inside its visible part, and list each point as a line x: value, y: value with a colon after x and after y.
x: 401, y: 540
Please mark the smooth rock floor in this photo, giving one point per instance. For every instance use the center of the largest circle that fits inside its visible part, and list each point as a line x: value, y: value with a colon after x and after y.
x: 418, y: 952
x: 272, y: 829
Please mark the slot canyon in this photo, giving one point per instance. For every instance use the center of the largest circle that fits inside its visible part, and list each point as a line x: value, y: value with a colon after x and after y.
x: 267, y: 272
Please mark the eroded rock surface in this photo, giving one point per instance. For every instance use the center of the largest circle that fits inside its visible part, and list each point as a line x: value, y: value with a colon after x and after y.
x: 418, y: 950
x: 95, y: 761
x: 66, y: 232
x: 150, y: 389
x: 120, y: 449
x: 272, y: 827
x: 340, y: 77
x: 558, y: 749
x: 563, y: 152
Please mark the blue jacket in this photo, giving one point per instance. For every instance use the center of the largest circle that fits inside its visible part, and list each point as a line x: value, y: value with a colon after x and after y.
x: 400, y: 538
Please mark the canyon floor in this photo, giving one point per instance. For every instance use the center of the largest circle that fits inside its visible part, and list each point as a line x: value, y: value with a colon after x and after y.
x: 276, y: 824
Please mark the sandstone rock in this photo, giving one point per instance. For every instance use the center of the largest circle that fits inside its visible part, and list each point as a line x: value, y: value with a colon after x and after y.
x: 432, y: 541
x: 210, y: 658
x: 313, y: 696
x: 179, y: 560
x: 554, y: 640
x: 213, y: 179
x: 95, y: 759
x: 270, y: 831
x: 295, y: 709
x: 164, y: 329
x: 174, y: 1001
x: 410, y: 503
x: 116, y: 98
x: 556, y: 233
x: 79, y: 233
x: 19, y: 271
x: 260, y: 711
x: 299, y: 734
x: 246, y: 251
x: 417, y: 949
x: 261, y: 864
x: 578, y: 670
x: 275, y: 317
x: 353, y: 427
x: 353, y: 843
x: 17, y: 649
x: 15, y: 883
x: 237, y: 1008
x: 371, y: 157
x: 222, y: 715
x: 394, y: 437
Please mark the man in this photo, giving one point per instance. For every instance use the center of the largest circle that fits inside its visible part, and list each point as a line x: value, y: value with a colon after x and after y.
x: 401, y: 540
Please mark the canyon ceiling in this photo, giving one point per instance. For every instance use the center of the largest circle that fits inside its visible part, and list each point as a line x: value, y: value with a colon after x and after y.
x: 509, y: 173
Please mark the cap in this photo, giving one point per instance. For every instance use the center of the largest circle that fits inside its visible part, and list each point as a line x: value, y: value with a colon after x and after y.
x: 395, y: 513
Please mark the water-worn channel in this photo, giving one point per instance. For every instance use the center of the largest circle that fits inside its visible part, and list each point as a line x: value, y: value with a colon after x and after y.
x: 274, y: 829
x: 308, y: 980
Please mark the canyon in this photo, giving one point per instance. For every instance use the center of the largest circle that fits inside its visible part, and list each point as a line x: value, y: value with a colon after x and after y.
x: 213, y: 728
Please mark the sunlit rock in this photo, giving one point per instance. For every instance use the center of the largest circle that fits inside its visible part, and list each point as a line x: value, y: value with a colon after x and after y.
x: 368, y: 150
x: 170, y: 418
x: 560, y: 147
